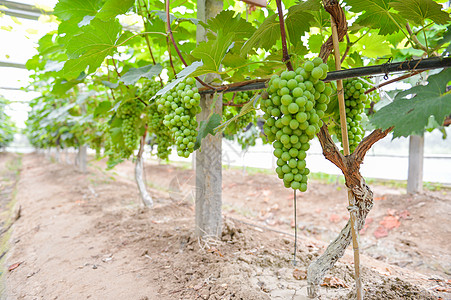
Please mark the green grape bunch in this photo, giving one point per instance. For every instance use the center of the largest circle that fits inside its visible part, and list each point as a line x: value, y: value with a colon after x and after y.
x: 130, y: 112
x: 228, y: 112
x: 180, y: 106
x: 355, y: 102
x: 161, y: 134
x: 293, y: 110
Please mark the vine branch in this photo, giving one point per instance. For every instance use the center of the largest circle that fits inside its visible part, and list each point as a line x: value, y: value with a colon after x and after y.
x: 393, y: 80
x: 286, y: 56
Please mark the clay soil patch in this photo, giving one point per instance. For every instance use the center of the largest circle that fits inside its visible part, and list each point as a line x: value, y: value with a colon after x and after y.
x: 86, y: 236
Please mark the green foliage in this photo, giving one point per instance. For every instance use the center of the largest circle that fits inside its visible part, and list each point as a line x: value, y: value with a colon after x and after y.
x: 134, y: 74
x: 418, y: 11
x: 411, y: 115
x: 7, y: 126
x: 112, y: 8
x: 76, y: 9
x: 90, y: 47
x: 377, y: 14
x: 98, y: 63
x: 265, y: 36
x: 300, y: 18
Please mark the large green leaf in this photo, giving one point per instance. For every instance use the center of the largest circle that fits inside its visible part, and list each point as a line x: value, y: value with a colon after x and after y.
x: 265, y: 36
x: 299, y: 18
x: 226, y: 23
x: 133, y: 75
x: 411, y: 116
x: 212, y: 53
x: 112, y: 8
x: 90, y: 47
x: 377, y: 14
x: 420, y: 10
x: 76, y: 9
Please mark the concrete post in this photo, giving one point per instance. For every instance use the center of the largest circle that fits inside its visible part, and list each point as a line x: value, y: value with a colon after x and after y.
x: 415, y: 173
x: 208, y: 159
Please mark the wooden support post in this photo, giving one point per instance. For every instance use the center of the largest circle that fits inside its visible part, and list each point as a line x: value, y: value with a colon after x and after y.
x: 344, y: 133
x: 415, y: 173
x: 208, y: 159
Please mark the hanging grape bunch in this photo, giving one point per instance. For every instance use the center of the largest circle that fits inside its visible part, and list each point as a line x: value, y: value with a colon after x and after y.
x: 229, y: 112
x: 130, y: 112
x: 161, y: 133
x: 297, y: 101
x: 355, y: 102
x: 180, y: 106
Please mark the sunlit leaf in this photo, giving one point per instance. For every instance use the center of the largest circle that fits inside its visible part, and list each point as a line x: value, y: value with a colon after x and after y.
x: 411, y: 116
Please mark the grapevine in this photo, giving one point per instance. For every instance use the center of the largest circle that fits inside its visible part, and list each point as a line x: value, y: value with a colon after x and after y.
x: 297, y: 101
x: 180, y: 106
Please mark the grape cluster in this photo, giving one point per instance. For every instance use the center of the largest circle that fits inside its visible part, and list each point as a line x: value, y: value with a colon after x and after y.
x: 297, y: 101
x: 180, y: 106
x: 130, y: 112
x: 229, y: 112
x: 355, y: 102
x: 161, y: 135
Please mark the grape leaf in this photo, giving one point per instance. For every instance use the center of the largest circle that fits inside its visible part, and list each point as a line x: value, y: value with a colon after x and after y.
x: 314, y: 43
x: 102, y: 108
x: 212, y: 53
x: 207, y: 127
x: 411, y: 116
x: 112, y: 8
x: 225, y: 22
x: 299, y: 18
x: 264, y: 37
x: 134, y: 74
x: 76, y: 9
x: 377, y: 14
x: 109, y: 84
x: 61, y: 86
x: 420, y: 10
x: 373, y: 45
x: 91, y: 46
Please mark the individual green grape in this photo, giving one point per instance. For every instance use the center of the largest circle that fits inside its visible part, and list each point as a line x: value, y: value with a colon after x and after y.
x: 293, y: 109
x: 180, y: 106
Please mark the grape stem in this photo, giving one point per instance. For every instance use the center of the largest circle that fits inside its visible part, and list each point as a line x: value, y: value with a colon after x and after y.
x: 286, y: 56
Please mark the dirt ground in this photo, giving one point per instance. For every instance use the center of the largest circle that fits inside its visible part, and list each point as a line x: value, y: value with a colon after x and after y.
x: 86, y: 236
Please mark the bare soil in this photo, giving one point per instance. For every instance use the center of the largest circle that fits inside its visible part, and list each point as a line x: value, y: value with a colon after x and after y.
x: 87, y: 236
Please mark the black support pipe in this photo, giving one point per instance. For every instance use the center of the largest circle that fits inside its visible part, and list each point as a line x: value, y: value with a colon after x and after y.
x: 387, y: 68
